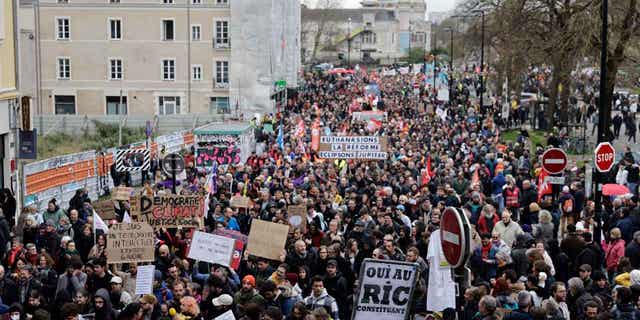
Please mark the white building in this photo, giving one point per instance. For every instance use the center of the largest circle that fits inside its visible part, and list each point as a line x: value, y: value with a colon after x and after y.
x: 382, y: 30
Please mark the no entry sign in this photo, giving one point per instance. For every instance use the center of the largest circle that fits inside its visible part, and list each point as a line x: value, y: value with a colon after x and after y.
x: 554, y: 160
x: 605, y: 155
x: 455, y: 237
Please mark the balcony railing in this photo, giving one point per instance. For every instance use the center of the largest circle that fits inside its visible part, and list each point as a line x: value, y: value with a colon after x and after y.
x: 224, y: 43
x: 221, y: 85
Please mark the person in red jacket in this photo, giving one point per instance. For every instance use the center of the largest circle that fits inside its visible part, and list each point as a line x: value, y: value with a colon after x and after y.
x: 487, y: 219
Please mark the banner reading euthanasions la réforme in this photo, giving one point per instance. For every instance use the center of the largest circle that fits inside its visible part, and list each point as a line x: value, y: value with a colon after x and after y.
x: 385, y: 290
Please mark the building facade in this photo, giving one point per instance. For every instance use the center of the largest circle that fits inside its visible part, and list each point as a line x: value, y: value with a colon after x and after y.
x: 8, y: 95
x: 114, y: 57
x: 381, y: 31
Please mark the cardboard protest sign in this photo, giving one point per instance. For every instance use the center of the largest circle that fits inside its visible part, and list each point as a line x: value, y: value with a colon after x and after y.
x: 226, y: 316
x: 267, y: 239
x: 105, y: 208
x: 353, y: 147
x: 240, y: 202
x: 386, y: 288
x: 121, y: 193
x: 211, y: 248
x: 144, y: 279
x: 237, y: 235
x: 297, y: 216
x: 130, y: 242
x: 169, y: 210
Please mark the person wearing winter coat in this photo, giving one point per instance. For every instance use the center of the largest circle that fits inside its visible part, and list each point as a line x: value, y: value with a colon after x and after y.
x: 336, y: 286
x: 488, y: 219
x: 543, y: 230
x: 613, y: 251
x: 103, y: 308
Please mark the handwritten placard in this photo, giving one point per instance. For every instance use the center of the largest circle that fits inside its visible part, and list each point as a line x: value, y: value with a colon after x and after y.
x: 211, y: 248
x: 267, y: 239
x: 130, y: 242
x: 144, y: 279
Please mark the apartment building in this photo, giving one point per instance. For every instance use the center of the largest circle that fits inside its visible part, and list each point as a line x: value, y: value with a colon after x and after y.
x: 111, y: 57
x: 382, y: 30
x: 8, y: 95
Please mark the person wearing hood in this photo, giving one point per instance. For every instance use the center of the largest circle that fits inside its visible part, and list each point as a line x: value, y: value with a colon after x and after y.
x: 336, y: 286
x: 102, y: 304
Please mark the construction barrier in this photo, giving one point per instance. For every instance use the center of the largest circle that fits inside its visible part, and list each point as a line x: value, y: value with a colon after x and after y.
x: 60, y: 177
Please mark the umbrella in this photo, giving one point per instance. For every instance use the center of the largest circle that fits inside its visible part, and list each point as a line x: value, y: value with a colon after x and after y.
x: 614, y: 189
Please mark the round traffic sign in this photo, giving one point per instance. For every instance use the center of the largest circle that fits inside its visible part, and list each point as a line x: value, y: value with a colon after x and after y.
x: 554, y: 160
x: 455, y: 237
x: 173, y: 163
x: 605, y: 155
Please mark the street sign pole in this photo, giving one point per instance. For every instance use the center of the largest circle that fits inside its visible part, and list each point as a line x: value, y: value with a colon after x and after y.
x: 604, y: 115
x: 456, y: 246
x: 173, y: 175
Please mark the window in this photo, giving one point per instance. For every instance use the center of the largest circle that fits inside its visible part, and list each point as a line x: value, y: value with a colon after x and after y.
x: 219, y: 2
x: 222, y: 74
x: 196, y: 72
x: 222, y: 33
x: 167, y: 30
x: 167, y: 1
x: 369, y: 37
x: 114, y: 1
x: 63, y: 1
x: 115, y: 107
x: 64, y: 68
x: 62, y: 25
x: 169, y: 69
x: 195, y: 32
x: 219, y: 105
x: 65, y: 104
x: 115, y: 29
x: 168, y: 105
x: 115, y: 69
x: 196, y: 1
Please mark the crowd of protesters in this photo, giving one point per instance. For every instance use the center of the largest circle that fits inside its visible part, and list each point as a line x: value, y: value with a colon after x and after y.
x: 534, y: 254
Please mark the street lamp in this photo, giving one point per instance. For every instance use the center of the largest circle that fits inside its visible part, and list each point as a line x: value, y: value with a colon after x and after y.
x: 410, y: 39
x: 482, y: 13
x: 349, y: 42
x: 450, y: 29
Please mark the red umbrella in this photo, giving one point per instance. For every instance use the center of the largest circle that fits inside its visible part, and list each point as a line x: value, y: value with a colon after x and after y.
x: 614, y: 189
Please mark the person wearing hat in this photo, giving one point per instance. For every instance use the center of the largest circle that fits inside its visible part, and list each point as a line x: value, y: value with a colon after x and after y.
x: 247, y: 294
x: 119, y: 297
x: 613, y: 251
x: 221, y: 304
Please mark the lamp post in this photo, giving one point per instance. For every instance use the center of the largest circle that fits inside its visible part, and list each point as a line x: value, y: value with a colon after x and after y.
x: 435, y: 58
x: 410, y: 39
x: 604, y: 117
x: 450, y: 29
x: 482, y: 14
x: 349, y: 42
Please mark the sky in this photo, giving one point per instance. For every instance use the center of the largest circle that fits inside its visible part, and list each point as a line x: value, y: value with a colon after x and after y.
x: 432, y: 5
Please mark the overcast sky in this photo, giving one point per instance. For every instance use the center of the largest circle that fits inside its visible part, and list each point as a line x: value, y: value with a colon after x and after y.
x: 432, y: 5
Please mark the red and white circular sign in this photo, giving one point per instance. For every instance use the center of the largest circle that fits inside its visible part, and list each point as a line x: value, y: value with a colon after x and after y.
x: 455, y: 236
x: 605, y: 155
x: 554, y: 160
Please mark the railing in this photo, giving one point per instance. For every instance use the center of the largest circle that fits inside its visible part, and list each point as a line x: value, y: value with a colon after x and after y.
x: 223, y: 43
x: 221, y: 85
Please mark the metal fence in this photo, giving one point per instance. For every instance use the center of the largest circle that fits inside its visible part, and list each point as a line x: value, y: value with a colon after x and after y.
x: 81, y: 124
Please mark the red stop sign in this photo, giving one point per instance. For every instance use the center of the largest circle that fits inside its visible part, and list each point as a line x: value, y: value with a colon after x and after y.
x: 455, y: 236
x: 605, y: 156
x: 554, y: 160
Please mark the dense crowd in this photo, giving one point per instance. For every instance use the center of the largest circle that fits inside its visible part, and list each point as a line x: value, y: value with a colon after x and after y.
x: 533, y: 249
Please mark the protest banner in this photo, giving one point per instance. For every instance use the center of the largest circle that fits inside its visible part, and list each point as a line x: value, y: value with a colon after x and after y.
x: 238, y: 247
x: 353, y: 147
x: 169, y: 211
x: 144, y: 279
x: 121, y: 193
x: 385, y: 291
x: 130, y: 160
x: 130, y: 242
x: 105, y: 208
x: 267, y: 239
x: 240, y: 202
x: 226, y: 316
x: 297, y: 216
x: 368, y: 115
x: 211, y: 248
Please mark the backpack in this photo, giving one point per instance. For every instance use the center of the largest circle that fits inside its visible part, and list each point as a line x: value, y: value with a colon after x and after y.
x: 567, y: 206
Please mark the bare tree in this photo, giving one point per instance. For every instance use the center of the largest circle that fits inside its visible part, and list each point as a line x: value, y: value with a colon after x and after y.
x: 318, y: 17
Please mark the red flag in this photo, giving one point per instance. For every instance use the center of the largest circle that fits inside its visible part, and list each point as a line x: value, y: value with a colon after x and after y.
x: 374, y: 125
x: 431, y: 173
x: 427, y: 174
x: 544, y: 188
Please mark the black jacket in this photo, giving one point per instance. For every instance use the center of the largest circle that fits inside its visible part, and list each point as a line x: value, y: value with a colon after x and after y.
x: 592, y: 255
x: 632, y: 251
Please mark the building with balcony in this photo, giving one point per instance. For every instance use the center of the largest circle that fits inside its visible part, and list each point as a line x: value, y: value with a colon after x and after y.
x: 381, y: 31
x: 116, y: 57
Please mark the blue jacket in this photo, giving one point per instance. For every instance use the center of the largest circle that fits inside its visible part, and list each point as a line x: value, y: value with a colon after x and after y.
x: 497, y: 183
